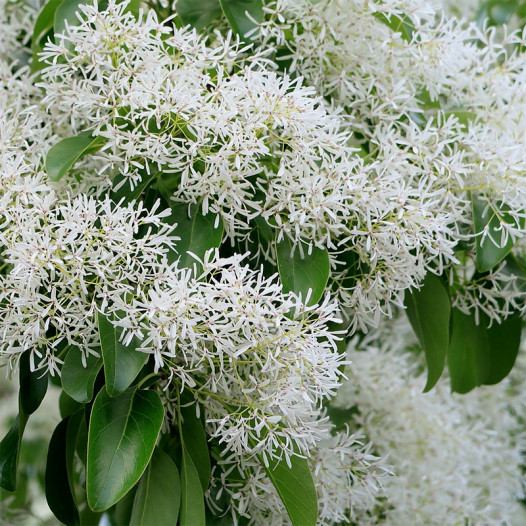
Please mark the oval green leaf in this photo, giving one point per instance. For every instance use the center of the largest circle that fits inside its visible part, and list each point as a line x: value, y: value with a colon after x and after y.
x: 63, y: 155
x: 197, y: 232
x: 121, y: 438
x: 67, y: 14
x: 58, y: 485
x: 481, y: 355
x: 428, y: 310
x: 196, y: 445
x: 198, y: 13
x: 299, y: 274
x: 33, y: 386
x: 158, y: 497
x: 489, y: 217
x: 121, y: 364
x: 10, y: 452
x: 236, y: 14
x: 296, y: 489
x: 192, y: 497
x: 79, y: 381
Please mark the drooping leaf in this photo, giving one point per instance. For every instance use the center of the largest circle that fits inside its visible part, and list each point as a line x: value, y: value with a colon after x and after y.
x: 299, y: 274
x: 192, y: 498
x: 121, y: 364
x: 63, y: 155
x: 428, y: 310
x: 481, y: 355
x: 121, y: 438
x: 198, y: 13
x: 296, y: 489
x: 79, y: 381
x: 236, y: 11
x: 489, y: 217
x: 196, y: 444
x: 33, y: 386
x: 158, y: 497
x: 10, y: 452
x: 197, y: 232
x: 57, y: 484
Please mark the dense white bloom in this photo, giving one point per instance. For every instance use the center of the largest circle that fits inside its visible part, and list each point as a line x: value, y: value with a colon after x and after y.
x: 457, y: 458
x: 259, y: 360
x: 348, y: 480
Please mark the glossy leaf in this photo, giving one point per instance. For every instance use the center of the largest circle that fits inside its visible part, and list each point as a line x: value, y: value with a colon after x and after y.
x: 488, y: 217
x: 481, y: 355
x: 122, y: 434
x: 79, y: 381
x: 296, y: 489
x: 192, y: 497
x: 10, y: 452
x: 158, y: 497
x: 63, y: 155
x: 121, y: 364
x: 59, y: 493
x: 301, y: 274
x: 196, y: 444
x: 197, y: 232
x: 236, y: 14
x: 198, y: 13
x: 428, y: 310
x: 33, y: 386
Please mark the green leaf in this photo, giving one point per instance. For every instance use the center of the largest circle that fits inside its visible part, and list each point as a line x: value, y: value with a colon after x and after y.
x: 59, y: 495
x: 196, y: 444
x: 67, y: 14
x: 63, y: 155
x: 296, y: 489
x: 428, y: 311
x: 124, y: 191
x: 198, y: 13
x: 236, y: 14
x: 10, y: 452
x: 158, y: 497
x: 133, y: 7
x: 33, y: 386
x: 197, y: 232
x: 488, y: 217
x: 121, y: 364
x: 67, y: 406
x: 121, y: 438
x: 481, y: 355
x: 43, y: 26
x: 398, y: 24
x: 79, y: 381
x: 123, y: 509
x: 301, y: 274
x: 45, y: 20
x: 192, y: 498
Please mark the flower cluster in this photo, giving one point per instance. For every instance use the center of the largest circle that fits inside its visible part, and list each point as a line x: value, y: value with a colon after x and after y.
x: 457, y: 458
